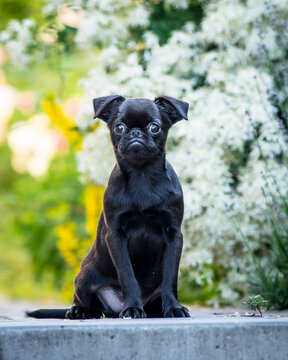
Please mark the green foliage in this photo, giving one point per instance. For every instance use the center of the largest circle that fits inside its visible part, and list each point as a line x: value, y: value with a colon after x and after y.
x: 59, y: 74
x: 190, y: 292
x: 271, y: 279
x: 31, y: 265
x: 165, y: 19
x: 44, y: 204
x: 272, y: 284
x: 30, y: 211
x: 19, y: 9
x: 270, y: 276
x: 17, y: 278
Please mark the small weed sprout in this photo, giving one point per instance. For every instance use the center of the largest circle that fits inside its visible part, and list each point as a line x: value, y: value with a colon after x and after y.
x: 256, y: 302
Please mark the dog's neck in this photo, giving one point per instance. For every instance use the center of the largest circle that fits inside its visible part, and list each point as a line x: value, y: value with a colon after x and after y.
x: 145, y: 185
x: 139, y: 169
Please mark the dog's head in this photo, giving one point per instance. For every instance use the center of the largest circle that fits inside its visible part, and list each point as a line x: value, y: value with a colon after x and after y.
x: 139, y: 127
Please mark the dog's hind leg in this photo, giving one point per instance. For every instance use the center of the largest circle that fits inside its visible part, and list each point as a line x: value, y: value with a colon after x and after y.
x: 88, y: 309
x: 86, y: 302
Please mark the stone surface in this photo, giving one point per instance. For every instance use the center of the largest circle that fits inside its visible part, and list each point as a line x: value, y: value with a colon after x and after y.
x: 204, y: 336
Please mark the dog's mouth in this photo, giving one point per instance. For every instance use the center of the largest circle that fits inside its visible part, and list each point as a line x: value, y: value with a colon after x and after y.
x: 137, y: 150
x: 136, y: 141
x: 136, y: 146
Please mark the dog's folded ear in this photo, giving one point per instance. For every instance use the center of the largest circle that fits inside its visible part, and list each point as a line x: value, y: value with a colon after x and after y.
x: 106, y: 105
x: 176, y: 110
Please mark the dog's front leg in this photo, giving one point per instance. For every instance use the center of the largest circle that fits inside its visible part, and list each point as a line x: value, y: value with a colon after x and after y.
x: 117, y: 245
x: 171, y: 260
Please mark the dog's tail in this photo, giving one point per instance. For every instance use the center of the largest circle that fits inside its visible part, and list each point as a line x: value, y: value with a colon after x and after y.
x: 47, y: 313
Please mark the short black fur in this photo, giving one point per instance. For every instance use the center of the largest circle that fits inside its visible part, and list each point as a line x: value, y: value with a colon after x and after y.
x: 132, y: 267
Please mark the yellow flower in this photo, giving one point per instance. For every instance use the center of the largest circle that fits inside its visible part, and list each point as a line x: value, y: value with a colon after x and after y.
x: 71, y: 248
x: 93, y: 202
x: 67, y: 291
x: 67, y: 242
x: 57, y: 117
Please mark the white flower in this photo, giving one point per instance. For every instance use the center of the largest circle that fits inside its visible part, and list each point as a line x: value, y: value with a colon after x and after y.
x: 8, y: 102
x: 96, y: 160
x: 17, y: 39
x: 178, y: 4
x: 33, y: 145
x: 138, y: 16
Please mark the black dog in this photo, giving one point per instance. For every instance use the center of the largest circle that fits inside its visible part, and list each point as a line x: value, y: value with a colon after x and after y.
x: 132, y: 267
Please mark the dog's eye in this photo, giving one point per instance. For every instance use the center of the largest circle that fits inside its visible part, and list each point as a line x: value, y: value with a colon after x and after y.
x: 154, y: 128
x: 119, y: 128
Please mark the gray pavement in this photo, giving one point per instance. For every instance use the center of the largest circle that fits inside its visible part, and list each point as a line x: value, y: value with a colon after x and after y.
x: 224, y: 333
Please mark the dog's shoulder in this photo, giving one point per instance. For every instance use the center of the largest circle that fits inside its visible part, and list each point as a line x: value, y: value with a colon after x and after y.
x: 116, y: 178
x: 115, y: 185
x: 173, y: 178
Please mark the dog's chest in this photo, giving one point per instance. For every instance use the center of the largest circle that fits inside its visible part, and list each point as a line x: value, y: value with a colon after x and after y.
x: 145, y: 231
x: 137, y: 223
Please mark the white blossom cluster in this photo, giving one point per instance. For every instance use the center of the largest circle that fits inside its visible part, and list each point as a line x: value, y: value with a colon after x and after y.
x: 224, y: 114
x: 109, y: 21
x: 17, y: 39
x: 178, y: 4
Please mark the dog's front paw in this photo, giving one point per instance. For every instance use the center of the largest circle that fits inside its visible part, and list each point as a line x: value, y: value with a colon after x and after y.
x: 133, y: 312
x: 76, y: 313
x: 176, y: 312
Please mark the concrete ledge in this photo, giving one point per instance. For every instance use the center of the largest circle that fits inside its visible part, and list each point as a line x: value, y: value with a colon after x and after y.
x: 176, y: 339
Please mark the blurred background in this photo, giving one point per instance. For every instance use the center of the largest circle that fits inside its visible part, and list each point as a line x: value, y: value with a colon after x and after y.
x: 228, y: 59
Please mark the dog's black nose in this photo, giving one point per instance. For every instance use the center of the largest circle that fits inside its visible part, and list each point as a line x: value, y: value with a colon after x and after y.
x: 135, y: 133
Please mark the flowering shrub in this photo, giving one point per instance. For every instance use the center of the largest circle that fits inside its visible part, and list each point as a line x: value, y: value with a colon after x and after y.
x: 269, y: 275
x: 236, y: 122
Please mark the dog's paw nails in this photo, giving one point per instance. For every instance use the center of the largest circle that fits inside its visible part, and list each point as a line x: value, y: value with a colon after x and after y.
x: 133, y: 313
x: 177, y: 312
x: 76, y: 313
